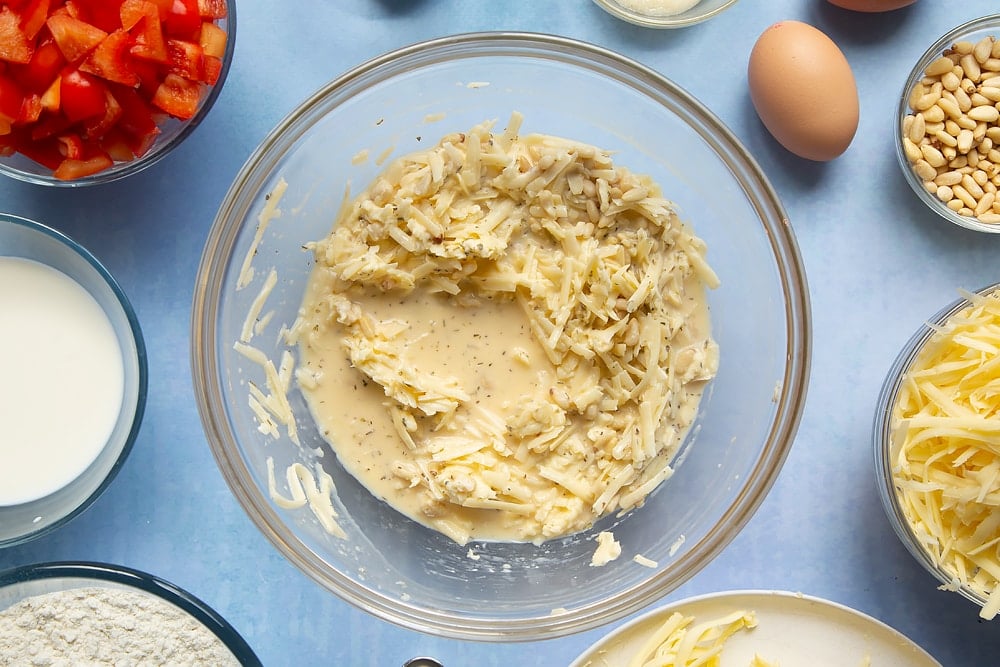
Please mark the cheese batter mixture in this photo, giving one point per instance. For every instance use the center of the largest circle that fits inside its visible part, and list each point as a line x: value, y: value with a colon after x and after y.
x: 505, y: 337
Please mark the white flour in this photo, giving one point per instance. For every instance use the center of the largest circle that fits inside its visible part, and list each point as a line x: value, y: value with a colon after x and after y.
x: 105, y: 626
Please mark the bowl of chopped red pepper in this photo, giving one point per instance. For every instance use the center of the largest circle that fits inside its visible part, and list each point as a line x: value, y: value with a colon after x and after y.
x: 94, y: 90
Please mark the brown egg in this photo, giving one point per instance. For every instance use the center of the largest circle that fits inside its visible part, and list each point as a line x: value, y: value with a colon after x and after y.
x: 871, y: 6
x: 803, y: 90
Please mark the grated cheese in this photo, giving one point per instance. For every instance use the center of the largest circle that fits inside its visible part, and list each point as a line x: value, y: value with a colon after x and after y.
x: 609, y: 282
x: 946, y: 448
x: 678, y: 643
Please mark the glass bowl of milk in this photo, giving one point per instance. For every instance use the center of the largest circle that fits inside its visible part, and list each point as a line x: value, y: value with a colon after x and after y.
x: 664, y: 13
x: 75, y: 378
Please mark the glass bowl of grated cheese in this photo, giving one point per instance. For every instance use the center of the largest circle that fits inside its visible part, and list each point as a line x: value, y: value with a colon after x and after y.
x: 936, y: 459
x: 488, y: 361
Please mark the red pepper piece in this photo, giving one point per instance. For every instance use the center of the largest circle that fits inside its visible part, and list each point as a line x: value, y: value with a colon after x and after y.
x: 31, y: 109
x: 111, y: 60
x: 178, y: 96
x: 212, y: 9
x: 97, y: 126
x: 14, y: 44
x: 71, y: 169
x: 81, y: 96
x: 75, y: 38
x: 43, y: 68
x: 33, y: 17
x: 142, y: 19
x: 183, y: 20
x: 185, y: 59
x: 11, y: 100
x: 102, y: 14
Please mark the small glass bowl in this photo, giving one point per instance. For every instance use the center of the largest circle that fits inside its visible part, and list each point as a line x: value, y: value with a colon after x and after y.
x: 24, y: 238
x: 172, y: 132
x: 971, y: 31
x: 27, y: 581
x: 704, y: 10
x: 398, y: 103
x: 884, y: 441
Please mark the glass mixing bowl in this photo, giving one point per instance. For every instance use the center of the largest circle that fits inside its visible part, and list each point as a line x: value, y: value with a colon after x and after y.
x: 389, y: 565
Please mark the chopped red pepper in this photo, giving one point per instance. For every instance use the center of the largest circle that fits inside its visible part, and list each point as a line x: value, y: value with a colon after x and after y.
x: 86, y: 83
x: 81, y: 96
x: 70, y: 169
x: 178, y: 96
x: 111, y: 60
x: 75, y: 38
x: 14, y: 44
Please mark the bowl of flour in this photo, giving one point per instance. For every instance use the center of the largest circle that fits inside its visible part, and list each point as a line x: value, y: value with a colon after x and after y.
x: 74, y: 613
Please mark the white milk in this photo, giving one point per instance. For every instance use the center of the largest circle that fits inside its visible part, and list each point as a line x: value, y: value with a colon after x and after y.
x: 61, y: 380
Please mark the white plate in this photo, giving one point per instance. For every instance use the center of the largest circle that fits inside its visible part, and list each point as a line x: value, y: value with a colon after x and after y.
x: 792, y: 629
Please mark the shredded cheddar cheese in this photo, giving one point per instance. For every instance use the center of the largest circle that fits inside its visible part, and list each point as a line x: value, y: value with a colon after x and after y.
x: 679, y: 642
x: 606, y: 277
x: 946, y: 448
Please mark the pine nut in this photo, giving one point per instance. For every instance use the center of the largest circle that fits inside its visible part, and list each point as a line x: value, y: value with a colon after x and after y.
x: 963, y: 100
x: 971, y: 67
x: 938, y: 67
x: 983, y: 49
x: 989, y: 218
x: 963, y: 47
x: 948, y: 178
x: 935, y: 114
x: 949, y: 107
x: 964, y: 195
x: 918, y: 128
x: 964, y: 141
x: 924, y: 170
x: 985, y: 203
x: 973, y: 188
x: 966, y: 123
x: 946, y: 139
x: 991, y: 93
x: 911, y: 150
x: 985, y: 114
x: 944, y: 193
x: 950, y: 81
x: 932, y: 155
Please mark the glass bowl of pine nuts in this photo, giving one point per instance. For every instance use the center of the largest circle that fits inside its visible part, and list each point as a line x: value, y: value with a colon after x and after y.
x: 948, y: 129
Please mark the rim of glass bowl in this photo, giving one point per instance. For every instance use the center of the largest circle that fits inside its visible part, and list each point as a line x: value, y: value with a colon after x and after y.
x: 161, y: 148
x: 141, y: 360
x: 143, y: 581
x: 985, y: 25
x: 249, y: 182
x: 882, y: 440
x: 690, y: 17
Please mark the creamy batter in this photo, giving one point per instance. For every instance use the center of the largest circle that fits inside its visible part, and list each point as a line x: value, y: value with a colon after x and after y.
x: 510, y: 351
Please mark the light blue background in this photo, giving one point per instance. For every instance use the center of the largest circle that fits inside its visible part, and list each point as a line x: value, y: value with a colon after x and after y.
x: 878, y: 265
